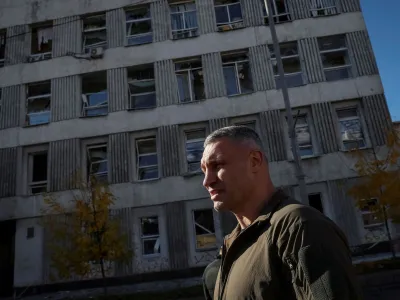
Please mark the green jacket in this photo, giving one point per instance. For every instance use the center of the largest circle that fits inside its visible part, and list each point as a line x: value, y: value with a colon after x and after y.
x: 291, y: 251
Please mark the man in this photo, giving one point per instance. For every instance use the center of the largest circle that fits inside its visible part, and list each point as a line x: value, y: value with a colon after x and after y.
x: 280, y: 249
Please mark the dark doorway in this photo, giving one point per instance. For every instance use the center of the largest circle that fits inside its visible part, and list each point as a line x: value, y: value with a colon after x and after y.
x: 315, y: 201
x: 7, y: 239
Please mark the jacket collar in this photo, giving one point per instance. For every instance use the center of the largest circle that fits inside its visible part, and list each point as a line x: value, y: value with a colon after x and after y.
x: 269, y: 208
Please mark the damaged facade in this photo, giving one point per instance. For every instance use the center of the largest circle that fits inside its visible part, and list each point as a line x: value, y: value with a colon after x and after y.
x: 129, y: 90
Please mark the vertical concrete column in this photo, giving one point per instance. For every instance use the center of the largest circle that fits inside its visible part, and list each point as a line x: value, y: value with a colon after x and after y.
x: 261, y: 68
x: 115, y: 20
x: 10, y: 107
x: 117, y: 88
x: 160, y: 18
x: 169, y: 139
x: 67, y: 36
x: 166, y: 83
x: 311, y: 60
x: 206, y: 16
x: 17, y: 44
x: 252, y: 12
x: 119, y: 152
x: 214, y: 81
x: 65, y: 98
x: 8, y: 171
x: 271, y: 128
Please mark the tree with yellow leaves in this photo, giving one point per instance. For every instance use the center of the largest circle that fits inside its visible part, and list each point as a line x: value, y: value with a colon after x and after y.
x: 85, y: 239
x: 378, y: 188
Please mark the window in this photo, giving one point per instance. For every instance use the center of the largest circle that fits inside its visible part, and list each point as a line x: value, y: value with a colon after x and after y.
x: 38, y: 173
x: 280, y: 11
x: 204, y: 229
x: 315, y: 201
x: 303, y: 136
x: 335, y: 57
x: 370, y: 211
x: 38, y: 103
x: 228, y: 14
x: 94, y: 94
x: 323, y: 8
x: 150, y: 236
x: 194, y: 149
x: 138, y: 26
x: 97, y: 162
x: 291, y: 65
x: 142, y: 87
x: 190, y: 80
x: 94, y: 32
x: 42, y: 41
x: 350, y: 127
x: 3, y: 37
x: 147, y: 159
x: 183, y: 20
x: 237, y: 74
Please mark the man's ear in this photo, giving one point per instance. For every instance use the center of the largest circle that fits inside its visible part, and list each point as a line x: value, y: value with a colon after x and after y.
x: 256, y: 159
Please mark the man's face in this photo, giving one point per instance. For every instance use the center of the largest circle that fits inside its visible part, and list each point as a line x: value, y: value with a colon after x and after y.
x: 228, y: 173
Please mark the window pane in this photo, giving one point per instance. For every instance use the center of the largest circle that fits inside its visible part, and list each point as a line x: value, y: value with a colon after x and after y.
x: 235, y: 12
x: 39, y: 171
x: 194, y: 151
x: 196, y: 134
x: 347, y: 113
x: 147, y: 160
x: 138, y: 27
x: 334, y: 59
x: 144, y: 101
x: 137, y: 14
x: 206, y: 241
x: 97, y: 99
x: 290, y: 65
x: 99, y: 167
x: 245, y: 79
x: 147, y: 146
x: 351, y: 130
x: 198, y: 84
x: 151, y: 246
x: 139, y: 87
x: 230, y: 80
x: 95, y: 38
x: 177, y: 21
x: 221, y: 14
x: 191, y: 19
x: 337, y: 74
x: 149, y: 226
x: 183, y: 86
x: 292, y: 80
x: 332, y: 42
x: 204, y: 221
x: 94, y: 22
x: 148, y: 173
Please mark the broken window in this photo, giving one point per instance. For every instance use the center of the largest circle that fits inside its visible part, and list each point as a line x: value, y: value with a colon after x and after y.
x: 183, y: 20
x: 97, y: 162
x: 228, y: 14
x: 303, y: 136
x: 142, y: 87
x: 94, y: 32
x: 42, y: 41
x: 237, y: 74
x: 190, y: 80
x: 38, y: 103
x: 314, y: 200
x: 335, y: 57
x: 204, y: 229
x: 350, y: 128
x: 194, y: 149
x: 323, y: 8
x: 138, y: 26
x: 147, y: 159
x: 151, y: 244
x: 3, y: 37
x: 38, y: 172
x: 94, y: 94
x: 280, y: 11
x: 291, y: 65
x: 371, y: 214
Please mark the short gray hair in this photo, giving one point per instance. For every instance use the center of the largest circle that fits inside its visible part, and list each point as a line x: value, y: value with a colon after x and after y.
x: 237, y: 133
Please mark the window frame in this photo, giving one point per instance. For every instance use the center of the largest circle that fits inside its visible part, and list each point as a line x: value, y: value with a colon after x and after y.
x: 130, y: 22
x: 230, y: 23
x: 138, y: 155
x: 189, y: 73
x: 27, y: 173
x: 357, y: 107
x: 330, y: 10
x: 104, y: 45
x: 193, y: 31
x: 237, y: 77
x: 187, y: 164
x: 144, y: 238
x: 287, y: 57
x: 31, y: 98
x: 196, y: 249
x: 371, y: 227
x: 345, y: 49
x: 131, y: 96
x: 3, y: 43
x: 85, y: 107
x: 35, y: 29
x: 275, y: 15
x: 95, y: 145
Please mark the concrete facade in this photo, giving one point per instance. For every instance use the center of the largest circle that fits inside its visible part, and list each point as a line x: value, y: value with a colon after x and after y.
x: 176, y: 193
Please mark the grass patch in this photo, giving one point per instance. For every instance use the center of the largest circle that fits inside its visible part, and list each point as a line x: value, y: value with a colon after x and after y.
x: 377, y: 266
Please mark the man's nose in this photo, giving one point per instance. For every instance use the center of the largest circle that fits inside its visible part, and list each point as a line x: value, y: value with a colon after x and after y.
x: 209, y: 178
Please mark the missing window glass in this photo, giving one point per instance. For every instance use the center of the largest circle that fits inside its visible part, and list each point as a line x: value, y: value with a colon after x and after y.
x: 97, y: 162
x: 42, y: 41
x: 138, y: 26
x: 190, y: 80
x: 30, y: 232
x: 142, y: 87
x: 194, y: 149
x: 94, y: 94
x: 150, y: 236
x: 38, y: 172
x: 38, y: 103
x: 237, y: 74
x: 94, y: 32
x: 204, y: 229
x: 280, y: 11
x: 228, y: 14
x: 147, y: 159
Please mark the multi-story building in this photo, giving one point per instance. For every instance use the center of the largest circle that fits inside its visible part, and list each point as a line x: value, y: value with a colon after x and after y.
x: 128, y: 90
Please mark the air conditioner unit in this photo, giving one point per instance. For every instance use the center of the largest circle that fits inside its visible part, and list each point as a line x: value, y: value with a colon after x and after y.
x: 96, y: 52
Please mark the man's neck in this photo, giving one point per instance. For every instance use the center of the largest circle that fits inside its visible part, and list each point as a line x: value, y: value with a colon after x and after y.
x: 252, y: 209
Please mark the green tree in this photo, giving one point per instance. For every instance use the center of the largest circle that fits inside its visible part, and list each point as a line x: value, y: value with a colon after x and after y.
x: 85, y: 238
x: 378, y: 169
